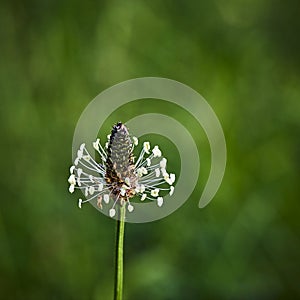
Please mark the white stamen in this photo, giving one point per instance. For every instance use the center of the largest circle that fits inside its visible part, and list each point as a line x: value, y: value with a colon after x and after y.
x: 106, y: 198
x: 166, y: 176
x: 164, y: 172
x: 130, y: 208
x: 148, y: 162
x: 76, y: 161
x: 144, y: 170
x: 91, y: 177
x: 142, y: 188
x: 160, y: 201
x: 135, y: 140
x: 172, y: 178
x: 79, y: 172
x: 82, y: 146
x: 91, y: 190
x: 146, y: 147
x: 79, y: 202
x: 171, y: 190
x: 100, y: 187
x: 86, y: 157
x: 72, y: 169
x: 122, y: 192
x: 112, y: 212
x: 96, y: 144
x: 71, y: 188
x: 154, y: 193
x: 156, y: 152
x: 86, y: 191
x: 168, y: 180
x: 144, y: 196
x: 72, y: 179
x: 163, y: 163
x: 157, y: 172
x: 79, y: 154
x: 141, y: 171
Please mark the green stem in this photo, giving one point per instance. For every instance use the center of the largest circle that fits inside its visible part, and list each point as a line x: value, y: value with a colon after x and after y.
x: 118, y: 295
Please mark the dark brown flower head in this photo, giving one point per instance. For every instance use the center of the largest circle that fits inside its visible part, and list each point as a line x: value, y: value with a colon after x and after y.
x: 120, y: 163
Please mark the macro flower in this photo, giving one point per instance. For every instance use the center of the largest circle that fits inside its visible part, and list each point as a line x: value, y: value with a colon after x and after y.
x: 119, y: 177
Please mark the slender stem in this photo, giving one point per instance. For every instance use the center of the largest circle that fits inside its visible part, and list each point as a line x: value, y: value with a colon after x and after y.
x: 118, y: 295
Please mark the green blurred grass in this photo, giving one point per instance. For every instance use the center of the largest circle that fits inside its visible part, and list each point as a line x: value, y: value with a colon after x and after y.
x: 243, y: 57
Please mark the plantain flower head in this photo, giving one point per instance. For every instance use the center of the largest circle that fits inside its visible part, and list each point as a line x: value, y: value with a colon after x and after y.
x: 117, y: 178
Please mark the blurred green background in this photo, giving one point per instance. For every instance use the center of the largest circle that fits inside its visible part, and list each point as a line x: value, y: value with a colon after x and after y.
x: 242, y: 56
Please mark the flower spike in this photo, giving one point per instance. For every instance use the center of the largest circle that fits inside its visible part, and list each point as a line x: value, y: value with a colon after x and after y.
x: 117, y: 177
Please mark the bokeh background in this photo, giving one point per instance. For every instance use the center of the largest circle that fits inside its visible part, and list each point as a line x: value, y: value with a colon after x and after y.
x: 242, y: 56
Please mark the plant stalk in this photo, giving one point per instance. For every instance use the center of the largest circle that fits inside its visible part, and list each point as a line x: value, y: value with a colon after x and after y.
x: 118, y: 291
